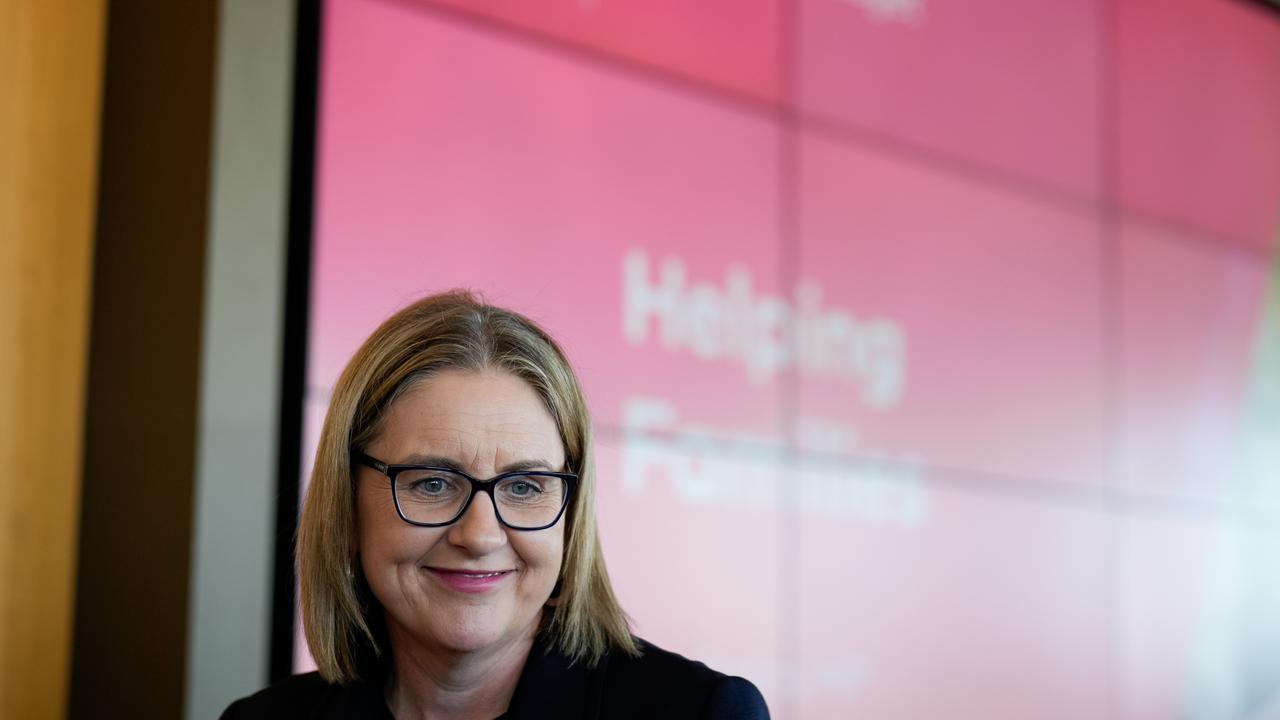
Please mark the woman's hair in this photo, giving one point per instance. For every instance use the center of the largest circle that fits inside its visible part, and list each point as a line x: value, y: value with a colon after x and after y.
x: 450, y: 331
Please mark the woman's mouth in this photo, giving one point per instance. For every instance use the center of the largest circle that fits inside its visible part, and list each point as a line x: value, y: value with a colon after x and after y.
x: 470, y: 581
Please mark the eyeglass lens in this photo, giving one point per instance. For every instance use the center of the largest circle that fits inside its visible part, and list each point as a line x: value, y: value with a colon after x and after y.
x: 437, y: 496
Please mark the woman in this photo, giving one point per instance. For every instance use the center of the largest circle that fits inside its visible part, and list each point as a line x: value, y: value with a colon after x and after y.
x: 448, y: 558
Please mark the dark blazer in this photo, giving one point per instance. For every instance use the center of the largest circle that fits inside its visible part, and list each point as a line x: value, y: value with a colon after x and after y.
x: 658, y: 684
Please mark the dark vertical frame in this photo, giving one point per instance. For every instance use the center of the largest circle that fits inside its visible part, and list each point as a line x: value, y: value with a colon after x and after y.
x: 132, y: 596
x: 297, y: 302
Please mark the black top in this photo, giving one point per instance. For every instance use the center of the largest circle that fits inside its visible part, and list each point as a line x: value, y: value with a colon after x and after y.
x: 658, y: 684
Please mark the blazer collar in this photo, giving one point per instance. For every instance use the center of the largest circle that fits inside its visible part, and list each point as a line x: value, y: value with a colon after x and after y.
x: 551, y: 686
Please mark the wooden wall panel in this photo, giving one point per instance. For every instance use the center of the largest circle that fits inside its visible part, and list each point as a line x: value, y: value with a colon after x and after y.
x: 50, y: 82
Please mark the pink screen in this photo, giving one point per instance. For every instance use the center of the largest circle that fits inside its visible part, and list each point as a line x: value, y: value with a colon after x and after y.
x: 933, y: 348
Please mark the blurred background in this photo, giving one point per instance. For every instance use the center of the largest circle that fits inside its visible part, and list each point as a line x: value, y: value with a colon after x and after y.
x: 933, y: 347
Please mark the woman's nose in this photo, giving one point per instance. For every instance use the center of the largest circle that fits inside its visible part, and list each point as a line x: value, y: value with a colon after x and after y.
x: 478, y: 530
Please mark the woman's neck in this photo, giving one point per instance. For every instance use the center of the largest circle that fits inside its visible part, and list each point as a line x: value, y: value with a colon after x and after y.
x: 439, y: 684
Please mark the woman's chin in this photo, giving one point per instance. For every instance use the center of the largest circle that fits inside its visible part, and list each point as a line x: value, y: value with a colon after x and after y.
x: 467, y: 630
x: 469, y: 640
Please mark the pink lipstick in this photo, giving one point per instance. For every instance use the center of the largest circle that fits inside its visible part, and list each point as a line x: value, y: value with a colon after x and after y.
x: 471, y: 581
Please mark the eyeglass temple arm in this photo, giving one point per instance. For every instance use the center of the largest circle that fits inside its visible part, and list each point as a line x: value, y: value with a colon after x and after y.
x: 370, y: 462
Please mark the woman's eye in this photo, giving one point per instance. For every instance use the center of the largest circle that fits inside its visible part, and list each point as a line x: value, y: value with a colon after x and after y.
x: 431, y: 486
x: 523, y: 489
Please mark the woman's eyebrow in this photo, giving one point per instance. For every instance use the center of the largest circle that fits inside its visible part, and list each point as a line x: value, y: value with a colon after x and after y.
x: 441, y: 461
x: 526, y: 465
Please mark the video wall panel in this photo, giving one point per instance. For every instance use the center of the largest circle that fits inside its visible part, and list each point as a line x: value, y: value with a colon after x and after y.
x: 1012, y: 85
x: 1197, y: 115
x: 919, y: 614
x: 1197, y: 630
x: 731, y: 45
x: 956, y: 296
x: 911, y: 400
x: 1190, y: 315
x: 692, y: 534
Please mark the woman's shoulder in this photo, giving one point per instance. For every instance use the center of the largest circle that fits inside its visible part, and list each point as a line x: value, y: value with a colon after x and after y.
x: 310, y: 696
x: 661, y: 683
x: 656, y: 663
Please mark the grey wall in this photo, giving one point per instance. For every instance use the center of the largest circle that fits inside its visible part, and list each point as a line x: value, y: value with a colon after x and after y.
x: 234, y: 499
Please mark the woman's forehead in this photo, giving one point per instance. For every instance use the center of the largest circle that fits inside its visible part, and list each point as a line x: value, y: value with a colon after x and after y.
x: 487, y: 418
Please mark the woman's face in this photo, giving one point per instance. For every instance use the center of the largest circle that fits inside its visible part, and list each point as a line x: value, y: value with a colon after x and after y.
x: 437, y: 584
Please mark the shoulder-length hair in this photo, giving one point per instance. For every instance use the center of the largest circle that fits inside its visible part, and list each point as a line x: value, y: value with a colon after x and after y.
x: 454, y: 330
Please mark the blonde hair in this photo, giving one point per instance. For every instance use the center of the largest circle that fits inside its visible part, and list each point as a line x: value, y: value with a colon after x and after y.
x: 454, y: 330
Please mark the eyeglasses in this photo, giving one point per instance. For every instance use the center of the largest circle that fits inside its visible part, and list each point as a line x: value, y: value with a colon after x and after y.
x: 435, y: 497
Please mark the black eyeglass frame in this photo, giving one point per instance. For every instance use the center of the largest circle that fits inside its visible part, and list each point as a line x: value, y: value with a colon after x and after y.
x: 485, y: 486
